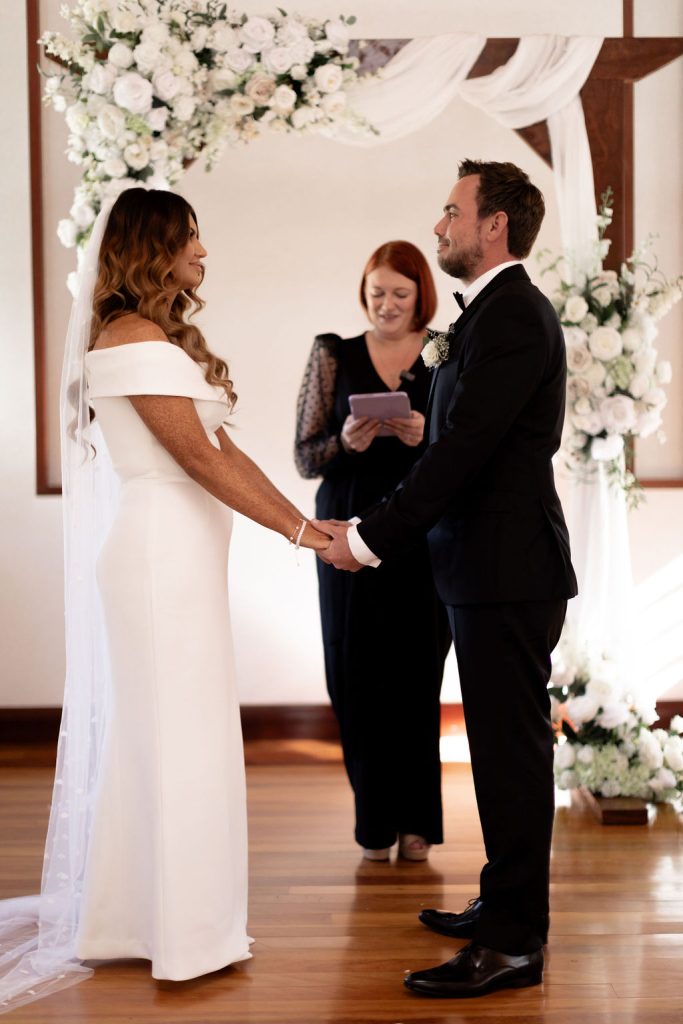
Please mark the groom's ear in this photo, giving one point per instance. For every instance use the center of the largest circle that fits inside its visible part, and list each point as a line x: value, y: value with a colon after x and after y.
x: 497, y: 226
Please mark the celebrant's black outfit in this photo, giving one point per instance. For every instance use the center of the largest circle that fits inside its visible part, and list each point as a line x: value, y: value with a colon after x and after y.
x: 385, y: 633
x: 484, y: 495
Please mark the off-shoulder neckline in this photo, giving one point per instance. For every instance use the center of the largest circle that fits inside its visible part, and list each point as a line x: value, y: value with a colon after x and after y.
x: 133, y: 344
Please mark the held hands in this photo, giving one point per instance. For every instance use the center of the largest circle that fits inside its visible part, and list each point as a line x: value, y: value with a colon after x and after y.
x: 314, y: 539
x: 338, y: 553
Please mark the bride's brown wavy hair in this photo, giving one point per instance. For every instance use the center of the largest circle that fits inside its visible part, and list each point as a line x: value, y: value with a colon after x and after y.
x: 145, y: 231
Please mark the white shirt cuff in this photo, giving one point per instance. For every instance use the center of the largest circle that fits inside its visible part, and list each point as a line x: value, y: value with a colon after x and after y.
x: 359, y: 549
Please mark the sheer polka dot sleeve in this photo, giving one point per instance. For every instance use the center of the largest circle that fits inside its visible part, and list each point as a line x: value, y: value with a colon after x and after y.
x: 317, y: 441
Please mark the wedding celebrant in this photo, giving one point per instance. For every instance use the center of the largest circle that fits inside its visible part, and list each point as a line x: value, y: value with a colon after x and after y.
x: 385, y: 693
x: 484, y: 495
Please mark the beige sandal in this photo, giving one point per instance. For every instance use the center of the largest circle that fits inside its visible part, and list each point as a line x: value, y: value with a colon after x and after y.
x: 412, y: 847
x: 377, y: 854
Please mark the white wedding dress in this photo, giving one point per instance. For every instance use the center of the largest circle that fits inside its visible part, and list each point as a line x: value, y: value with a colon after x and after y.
x: 166, y: 873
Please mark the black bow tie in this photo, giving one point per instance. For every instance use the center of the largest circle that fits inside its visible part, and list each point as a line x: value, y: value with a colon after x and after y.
x: 459, y: 299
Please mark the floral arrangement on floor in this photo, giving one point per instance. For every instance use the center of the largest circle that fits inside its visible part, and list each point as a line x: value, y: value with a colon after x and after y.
x: 148, y: 85
x: 605, y: 742
x: 615, y: 382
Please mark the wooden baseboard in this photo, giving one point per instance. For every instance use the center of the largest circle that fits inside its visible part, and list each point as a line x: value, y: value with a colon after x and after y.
x: 35, y: 726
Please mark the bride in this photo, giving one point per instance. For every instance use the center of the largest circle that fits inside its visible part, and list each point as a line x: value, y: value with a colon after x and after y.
x: 147, y: 846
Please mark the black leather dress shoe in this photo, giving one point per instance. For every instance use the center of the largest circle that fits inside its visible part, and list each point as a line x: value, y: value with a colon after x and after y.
x: 455, y: 926
x: 476, y: 970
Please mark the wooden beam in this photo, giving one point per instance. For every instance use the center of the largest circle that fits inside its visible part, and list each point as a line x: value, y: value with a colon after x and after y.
x: 629, y: 60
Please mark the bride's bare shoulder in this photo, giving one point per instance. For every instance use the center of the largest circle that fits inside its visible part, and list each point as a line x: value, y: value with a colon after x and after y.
x: 127, y: 330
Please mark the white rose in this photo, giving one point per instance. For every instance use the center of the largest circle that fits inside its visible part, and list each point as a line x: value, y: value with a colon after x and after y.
x: 575, y: 309
x: 303, y: 116
x: 82, y: 213
x: 664, y: 779
x: 605, y: 287
x: 655, y: 398
x: 576, y: 441
x: 260, y: 88
x: 239, y: 60
x: 583, y: 406
x: 156, y: 33
x: 67, y: 232
x: 618, y: 414
x: 292, y: 31
x: 136, y: 156
x: 94, y: 104
x: 183, y: 107
x: 578, y: 387
x: 328, y: 77
x: 579, y: 358
x: 158, y: 151
x: 604, y: 449
x: 334, y: 103
x: 284, y: 99
x: 631, y: 339
x: 278, y: 125
x: 605, y: 343
x: 596, y: 374
x: 591, y: 423
x: 661, y: 735
x: 221, y: 37
x: 649, y: 750
x: 77, y: 118
x: 567, y: 779
x: 613, y: 715
x: 338, y: 35
x: 114, y: 167
x: 256, y: 34
x: 586, y: 754
x: 185, y: 62
x: 647, y: 422
x: 100, y: 78
x: 120, y: 55
x: 647, y: 327
x: 640, y: 383
x: 147, y: 57
x: 200, y: 38
x: 610, y: 788
x: 581, y: 709
x: 157, y: 117
x: 133, y: 92
x: 123, y: 21
x: 676, y: 724
x: 111, y: 121
x: 241, y: 105
x: 565, y: 755
x: 166, y: 85
x: 298, y: 73
x: 589, y: 323
x: 644, y: 360
x: 302, y: 53
x: 222, y: 79
x: 663, y: 372
x: 574, y: 336
x: 673, y: 753
x: 278, y: 59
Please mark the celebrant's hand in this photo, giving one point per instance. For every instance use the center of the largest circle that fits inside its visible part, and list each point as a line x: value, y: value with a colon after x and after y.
x: 409, y: 430
x: 358, y: 434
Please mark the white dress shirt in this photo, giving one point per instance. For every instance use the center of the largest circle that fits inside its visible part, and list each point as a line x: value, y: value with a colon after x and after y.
x: 359, y: 549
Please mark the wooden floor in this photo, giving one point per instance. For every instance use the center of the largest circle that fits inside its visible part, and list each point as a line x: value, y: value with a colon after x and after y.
x: 334, y: 934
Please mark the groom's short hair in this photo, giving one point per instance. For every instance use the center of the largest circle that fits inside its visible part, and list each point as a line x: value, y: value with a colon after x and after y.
x: 504, y: 186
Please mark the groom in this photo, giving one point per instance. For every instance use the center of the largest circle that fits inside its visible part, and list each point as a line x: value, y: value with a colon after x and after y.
x: 483, y: 492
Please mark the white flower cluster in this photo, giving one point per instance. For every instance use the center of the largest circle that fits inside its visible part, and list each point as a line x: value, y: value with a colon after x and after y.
x: 607, y: 745
x: 615, y: 381
x: 148, y: 85
x: 436, y: 348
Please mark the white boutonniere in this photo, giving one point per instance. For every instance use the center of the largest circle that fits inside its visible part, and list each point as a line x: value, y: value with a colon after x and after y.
x: 435, y: 351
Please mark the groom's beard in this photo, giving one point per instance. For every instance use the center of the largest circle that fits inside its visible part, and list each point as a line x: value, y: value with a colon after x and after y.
x: 462, y: 264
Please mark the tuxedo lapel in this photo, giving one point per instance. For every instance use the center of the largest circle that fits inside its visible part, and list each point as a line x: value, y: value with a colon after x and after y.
x: 516, y: 273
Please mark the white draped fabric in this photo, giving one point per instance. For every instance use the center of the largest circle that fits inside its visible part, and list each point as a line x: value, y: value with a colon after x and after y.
x: 541, y: 81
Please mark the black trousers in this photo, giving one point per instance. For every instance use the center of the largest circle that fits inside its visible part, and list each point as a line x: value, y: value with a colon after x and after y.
x: 385, y: 636
x: 503, y: 653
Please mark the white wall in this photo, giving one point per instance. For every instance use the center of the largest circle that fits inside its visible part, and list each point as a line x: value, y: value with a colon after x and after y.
x: 288, y: 223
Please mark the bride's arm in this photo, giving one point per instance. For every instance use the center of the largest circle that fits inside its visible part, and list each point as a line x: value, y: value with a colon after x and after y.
x: 227, y: 473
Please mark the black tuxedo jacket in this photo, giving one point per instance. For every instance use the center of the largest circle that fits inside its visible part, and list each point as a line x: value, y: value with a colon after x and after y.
x: 484, y: 490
